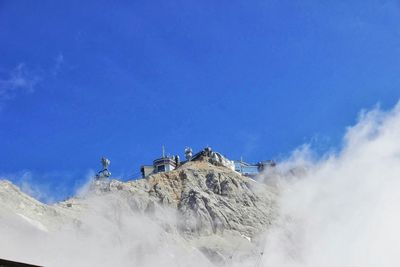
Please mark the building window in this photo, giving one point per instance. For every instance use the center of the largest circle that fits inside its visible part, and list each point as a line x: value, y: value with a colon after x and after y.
x: 161, y: 168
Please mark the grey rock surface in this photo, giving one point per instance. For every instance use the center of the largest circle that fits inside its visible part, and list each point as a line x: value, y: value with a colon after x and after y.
x: 209, y: 199
x: 212, y: 208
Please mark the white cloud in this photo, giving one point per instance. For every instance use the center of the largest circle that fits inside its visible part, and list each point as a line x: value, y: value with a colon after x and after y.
x: 21, y: 80
x: 58, y: 63
x: 24, y: 80
x: 49, y: 187
x: 30, y: 185
x: 344, y: 212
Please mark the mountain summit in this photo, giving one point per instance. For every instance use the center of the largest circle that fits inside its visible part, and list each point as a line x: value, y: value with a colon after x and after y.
x: 202, y: 204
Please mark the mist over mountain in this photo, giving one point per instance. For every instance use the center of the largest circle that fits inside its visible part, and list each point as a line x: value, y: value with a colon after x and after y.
x: 337, y: 210
x: 200, y: 211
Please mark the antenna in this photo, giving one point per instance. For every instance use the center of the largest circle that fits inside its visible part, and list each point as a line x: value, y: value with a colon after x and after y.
x: 163, y: 151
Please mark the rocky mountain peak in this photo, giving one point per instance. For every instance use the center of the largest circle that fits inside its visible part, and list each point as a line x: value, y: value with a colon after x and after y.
x: 212, y: 206
x: 209, y: 198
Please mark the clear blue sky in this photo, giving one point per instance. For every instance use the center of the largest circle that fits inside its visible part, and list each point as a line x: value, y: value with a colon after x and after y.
x: 82, y: 79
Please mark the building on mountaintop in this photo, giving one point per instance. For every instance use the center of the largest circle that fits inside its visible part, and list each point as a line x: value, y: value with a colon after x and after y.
x: 249, y: 169
x: 169, y: 163
x: 163, y: 164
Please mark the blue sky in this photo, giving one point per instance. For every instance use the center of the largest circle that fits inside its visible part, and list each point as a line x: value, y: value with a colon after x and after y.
x: 82, y: 79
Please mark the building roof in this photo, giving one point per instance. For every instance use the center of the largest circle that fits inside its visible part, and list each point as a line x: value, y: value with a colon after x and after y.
x: 164, y: 160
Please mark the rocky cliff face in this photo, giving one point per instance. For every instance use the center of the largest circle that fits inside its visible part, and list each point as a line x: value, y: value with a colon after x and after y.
x: 209, y: 199
x: 211, y: 207
x: 212, y: 199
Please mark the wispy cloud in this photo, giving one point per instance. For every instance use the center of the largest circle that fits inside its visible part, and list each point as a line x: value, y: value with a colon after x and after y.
x: 30, y: 185
x: 39, y: 191
x: 20, y: 80
x: 23, y: 79
x: 51, y: 186
x: 58, y: 63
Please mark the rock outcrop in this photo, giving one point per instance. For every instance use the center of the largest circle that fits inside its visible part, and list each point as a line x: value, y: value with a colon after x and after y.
x: 209, y: 199
x: 212, y: 206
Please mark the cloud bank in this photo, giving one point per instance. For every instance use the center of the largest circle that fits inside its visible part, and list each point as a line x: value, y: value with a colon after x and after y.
x: 342, y: 209
x: 345, y: 211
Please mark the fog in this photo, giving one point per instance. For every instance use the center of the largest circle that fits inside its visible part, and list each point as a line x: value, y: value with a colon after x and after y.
x: 110, y: 233
x: 345, y: 210
x: 341, y: 210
